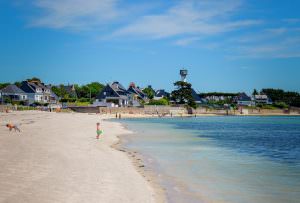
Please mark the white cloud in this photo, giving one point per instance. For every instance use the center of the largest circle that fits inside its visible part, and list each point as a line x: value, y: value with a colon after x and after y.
x: 75, y: 14
x: 185, y: 22
x: 291, y: 20
x: 186, y: 41
x: 188, y: 18
x: 287, y: 47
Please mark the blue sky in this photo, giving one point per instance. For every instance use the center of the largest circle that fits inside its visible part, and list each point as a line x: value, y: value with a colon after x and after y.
x: 232, y: 45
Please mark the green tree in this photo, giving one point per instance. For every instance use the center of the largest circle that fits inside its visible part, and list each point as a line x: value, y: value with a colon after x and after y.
x: 18, y: 84
x: 60, y: 91
x: 279, y: 95
x: 2, y: 85
x: 95, y: 88
x: 89, y: 90
x: 149, y: 92
x: 254, y: 92
x: 183, y: 94
x: 34, y: 79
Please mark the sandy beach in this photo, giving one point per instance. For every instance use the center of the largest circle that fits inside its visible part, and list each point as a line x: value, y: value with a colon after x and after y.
x: 56, y: 158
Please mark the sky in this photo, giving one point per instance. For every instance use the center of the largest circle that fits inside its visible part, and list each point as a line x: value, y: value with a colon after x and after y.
x: 226, y: 45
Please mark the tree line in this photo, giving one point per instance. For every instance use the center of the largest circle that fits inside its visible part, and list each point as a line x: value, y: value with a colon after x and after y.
x: 279, y: 95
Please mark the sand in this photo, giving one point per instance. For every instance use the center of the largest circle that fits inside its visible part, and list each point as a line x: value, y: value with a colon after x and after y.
x: 56, y: 158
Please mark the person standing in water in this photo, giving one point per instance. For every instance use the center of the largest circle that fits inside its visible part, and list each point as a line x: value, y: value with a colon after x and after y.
x: 99, y: 132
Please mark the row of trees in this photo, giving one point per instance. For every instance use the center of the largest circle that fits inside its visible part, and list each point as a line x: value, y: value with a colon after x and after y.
x: 281, y: 96
x: 86, y: 92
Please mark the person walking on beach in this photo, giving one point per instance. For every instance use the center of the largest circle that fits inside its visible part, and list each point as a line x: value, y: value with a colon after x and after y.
x: 12, y: 126
x: 99, y: 132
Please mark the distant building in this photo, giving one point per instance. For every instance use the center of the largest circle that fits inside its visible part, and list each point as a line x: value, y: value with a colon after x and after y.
x: 262, y: 99
x: 119, y: 96
x: 218, y: 96
x: 132, y: 89
x: 37, y: 92
x: 243, y: 100
x: 13, y: 93
x: 197, y: 97
x: 70, y: 89
x: 114, y: 93
x: 159, y: 94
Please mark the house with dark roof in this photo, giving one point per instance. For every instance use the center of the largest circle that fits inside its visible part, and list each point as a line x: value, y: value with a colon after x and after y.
x: 120, y: 96
x: 139, y: 94
x: 159, y: 94
x: 70, y: 89
x: 114, y: 93
x: 36, y: 92
x: 243, y: 100
x: 12, y: 93
x: 197, y: 97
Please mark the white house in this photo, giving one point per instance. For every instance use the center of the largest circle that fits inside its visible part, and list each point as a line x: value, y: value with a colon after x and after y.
x: 36, y: 92
x: 262, y: 99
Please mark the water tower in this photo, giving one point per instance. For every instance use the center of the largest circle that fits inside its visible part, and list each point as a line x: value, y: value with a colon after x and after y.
x: 183, y: 74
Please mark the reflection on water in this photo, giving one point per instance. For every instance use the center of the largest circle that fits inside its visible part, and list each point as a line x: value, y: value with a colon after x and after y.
x: 223, y: 159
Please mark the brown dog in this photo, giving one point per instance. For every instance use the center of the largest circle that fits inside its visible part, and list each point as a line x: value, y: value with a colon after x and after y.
x: 11, y: 126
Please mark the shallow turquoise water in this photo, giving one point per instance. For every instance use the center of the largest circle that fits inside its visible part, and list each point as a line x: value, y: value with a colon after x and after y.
x: 222, y: 159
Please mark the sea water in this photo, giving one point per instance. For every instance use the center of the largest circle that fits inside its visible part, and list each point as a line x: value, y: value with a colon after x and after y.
x: 223, y: 158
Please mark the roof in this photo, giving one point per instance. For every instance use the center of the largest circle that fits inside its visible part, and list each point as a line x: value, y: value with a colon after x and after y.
x: 12, y: 89
x: 196, y: 97
x: 136, y: 90
x: 114, y: 90
x: 243, y: 97
x: 117, y: 87
x: 161, y: 93
x: 70, y: 89
x: 30, y: 87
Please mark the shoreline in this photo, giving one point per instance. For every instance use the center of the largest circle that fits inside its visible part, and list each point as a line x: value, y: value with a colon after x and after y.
x: 137, y: 159
x: 167, y: 188
x: 137, y: 116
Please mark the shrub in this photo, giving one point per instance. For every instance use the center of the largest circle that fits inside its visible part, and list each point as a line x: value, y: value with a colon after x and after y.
x: 160, y: 102
x: 280, y: 105
x: 84, y: 100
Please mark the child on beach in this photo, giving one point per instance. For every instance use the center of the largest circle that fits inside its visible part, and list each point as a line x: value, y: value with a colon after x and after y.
x: 99, y: 132
x: 12, y: 126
